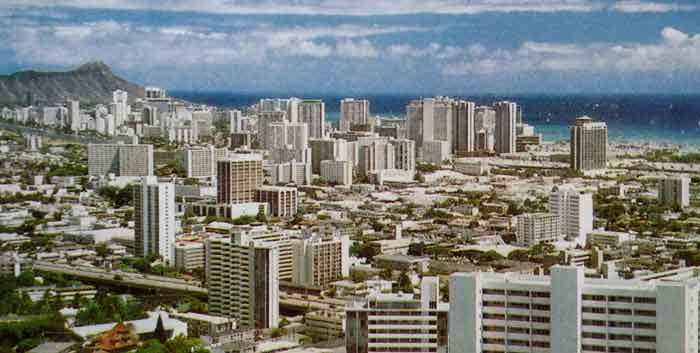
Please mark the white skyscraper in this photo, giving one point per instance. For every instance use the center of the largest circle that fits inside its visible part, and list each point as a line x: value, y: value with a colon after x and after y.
x: 154, y: 219
x: 589, y: 144
x: 405, y: 154
x: 575, y: 211
x: 74, y: 115
x: 353, y: 112
x: 505, y: 134
x: 313, y: 113
x: 119, y: 107
x: 375, y: 156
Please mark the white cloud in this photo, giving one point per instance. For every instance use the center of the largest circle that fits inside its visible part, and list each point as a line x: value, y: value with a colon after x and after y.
x: 360, y: 7
x: 126, y: 45
x: 675, y: 51
x: 635, y: 6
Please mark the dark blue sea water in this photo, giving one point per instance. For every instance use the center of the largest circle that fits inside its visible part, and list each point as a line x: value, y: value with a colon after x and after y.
x: 661, y: 118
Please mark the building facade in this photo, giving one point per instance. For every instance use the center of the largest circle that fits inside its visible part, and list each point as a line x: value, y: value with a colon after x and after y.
x: 318, y: 260
x: 589, y: 145
x: 238, y: 177
x: 575, y: 211
x: 399, y: 322
x: 674, y: 191
x: 120, y: 159
x: 154, y: 219
x: 564, y: 312
x: 505, y: 128
x: 243, y: 280
x: 337, y: 172
x: 535, y: 228
x: 282, y: 201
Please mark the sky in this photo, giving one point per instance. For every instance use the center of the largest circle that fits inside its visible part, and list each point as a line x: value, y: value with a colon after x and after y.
x: 366, y: 46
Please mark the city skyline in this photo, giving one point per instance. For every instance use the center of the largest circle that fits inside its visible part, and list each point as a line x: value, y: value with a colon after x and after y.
x: 509, y: 47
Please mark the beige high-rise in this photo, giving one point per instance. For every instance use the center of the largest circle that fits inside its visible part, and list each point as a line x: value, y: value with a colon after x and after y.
x: 589, y: 144
x: 238, y: 177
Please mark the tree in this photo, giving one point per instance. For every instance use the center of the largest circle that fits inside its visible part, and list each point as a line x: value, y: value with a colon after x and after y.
x: 261, y: 217
x: 416, y: 249
x: 404, y: 283
x: 386, y: 274
x: 102, y: 250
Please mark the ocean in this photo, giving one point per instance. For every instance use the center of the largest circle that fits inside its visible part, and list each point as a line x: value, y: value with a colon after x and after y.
x: 658, y: 118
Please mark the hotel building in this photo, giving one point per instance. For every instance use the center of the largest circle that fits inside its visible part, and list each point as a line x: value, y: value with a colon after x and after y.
x: 566, y: 312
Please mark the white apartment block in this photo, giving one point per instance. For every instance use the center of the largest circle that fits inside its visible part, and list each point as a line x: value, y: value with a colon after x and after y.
x: 353, y: 112
x: 398, y: 323
x: 74, y: 115
x: 189, y: 255
x: 318, y: 260
x: 200, y: 162
x: 154, y: 219
x: 475, y: 167
x: 120, y: 159
x: 336, y: 172
x: 535, y: 228
x: 606, y: 238
x: 674, y: 191
x: 312, y: 112
x: 327, y: 149
x: 589, y: 144
x: 405, y: 154
x: 264, y: 120
x: 430, y: 119
x: 505, y: 132
x: 291, y: 172
x: 566, y: 312
x: 435, y: 151
x: 282, y: 135
x: 282, y: 201
x: 243, y: 280
x: 575, y: 211
x: 375, y: 156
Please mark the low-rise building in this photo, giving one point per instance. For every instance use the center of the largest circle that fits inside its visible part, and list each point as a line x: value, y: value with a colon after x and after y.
x: 399, y: 322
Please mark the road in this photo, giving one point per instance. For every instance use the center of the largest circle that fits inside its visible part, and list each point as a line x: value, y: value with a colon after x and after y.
x: 127, y: 279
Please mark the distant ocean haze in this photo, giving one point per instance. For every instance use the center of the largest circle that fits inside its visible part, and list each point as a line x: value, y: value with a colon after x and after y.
x: 659, y: 118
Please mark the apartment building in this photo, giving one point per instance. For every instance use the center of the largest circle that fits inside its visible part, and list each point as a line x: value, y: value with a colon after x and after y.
x: 189, y: 255
x: 312, y: 112
x: 535, y: 228
x: 566, y: 312
x: 238, y: 177
x: 318, y: 260
x: 282, y: 201
x: 120, y: 159
x: 575, y: 211
x: 388, y: 322
x: 589, y: 144
x: 243, y: 279
x: 674, y: 191
x: 327, y: 149
x: 291, y: 172
x: 200, y: 162
x: 505, y: 127
x: 154, y: 219
x: 353, y: 112
x: 337, y: 172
